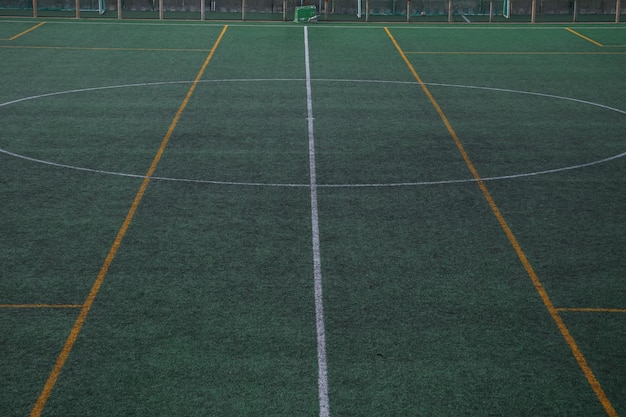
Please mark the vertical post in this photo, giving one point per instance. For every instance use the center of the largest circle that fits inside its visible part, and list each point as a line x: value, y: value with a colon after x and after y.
x: 367, y: 10
x: 77, y: 9
x: 119, y: 9
x: 325, y: 9
x: 243, y: 9
x: 408, y: 11
x: 533, y: 7
x: 160, y: 9
x: 617, y: 10
x: 449, y: 11
x: 284, y: 10
x: 576, y: 10
x: 34, y: 8
x: 490, y: 11
x: 202, y: 7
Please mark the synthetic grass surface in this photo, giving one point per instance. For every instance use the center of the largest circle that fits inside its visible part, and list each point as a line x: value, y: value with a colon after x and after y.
x: 208, y: 307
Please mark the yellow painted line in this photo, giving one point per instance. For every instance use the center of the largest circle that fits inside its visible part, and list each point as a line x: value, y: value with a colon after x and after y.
x: 27, y: 30
x: 515, y: 53
x: 79, y: 48
x: 580, y: 358
x: 69, y: 343
x: 41, y: 306
x: 593, y: 310
x: 583, y: 36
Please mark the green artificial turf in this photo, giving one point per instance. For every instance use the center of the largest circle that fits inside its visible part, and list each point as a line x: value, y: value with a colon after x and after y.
x: 207, y: 300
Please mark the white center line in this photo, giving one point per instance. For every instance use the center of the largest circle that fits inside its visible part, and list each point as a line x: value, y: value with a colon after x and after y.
x: 322, y: 378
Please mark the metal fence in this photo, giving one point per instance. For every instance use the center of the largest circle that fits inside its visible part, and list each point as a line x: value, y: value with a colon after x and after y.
x: 337, y: 10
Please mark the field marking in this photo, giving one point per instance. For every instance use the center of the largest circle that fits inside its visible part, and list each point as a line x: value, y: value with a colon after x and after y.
x: 584, y: 37
x: 322, y: 378
x: 510, y: 53
x: 67, y: 348
x: 355, y: 185
x: 41, y: 305
x: 38, y: 25
x: 592, y: 310
x: 302, y: 185
x: 578, y: 355
x: 86, y: 48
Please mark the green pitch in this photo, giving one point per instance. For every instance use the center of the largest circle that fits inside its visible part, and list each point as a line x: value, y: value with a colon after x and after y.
x: 283, y: 220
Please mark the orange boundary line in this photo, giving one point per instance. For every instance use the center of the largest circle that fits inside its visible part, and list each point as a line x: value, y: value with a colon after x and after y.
x: 592, y: 310
x: 41, y: 305
x: 85, y: 48
x: 519, y: 53
x: 580, y: 358
x: 584, y: 37
x: 69, y: 343
x: 26, y: 31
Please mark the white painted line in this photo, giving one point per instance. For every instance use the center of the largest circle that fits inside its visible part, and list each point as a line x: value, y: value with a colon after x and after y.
x: 322, y: 365
x: 362, y: 185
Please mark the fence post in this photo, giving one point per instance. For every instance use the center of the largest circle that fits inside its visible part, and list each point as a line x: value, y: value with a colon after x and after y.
x: 490, y: 11
x: 34, y: 8
x: 533, y: 7
x: 617, y: 10
x: 449, y: 11
x: 576, y: 10
x: 408, y: 11
x: 119, y: 9
x: 243, y: 9
x: 160, y: 9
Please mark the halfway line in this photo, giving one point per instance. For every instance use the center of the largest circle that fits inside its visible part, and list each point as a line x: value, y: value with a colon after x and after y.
x: 322, y: 378
x: 69, y: 343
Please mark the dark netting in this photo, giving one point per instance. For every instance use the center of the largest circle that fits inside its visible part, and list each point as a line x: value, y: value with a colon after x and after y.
x: 379, y: 10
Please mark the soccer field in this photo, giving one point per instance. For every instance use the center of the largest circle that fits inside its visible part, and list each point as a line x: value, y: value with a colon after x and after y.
x: 209, y: 219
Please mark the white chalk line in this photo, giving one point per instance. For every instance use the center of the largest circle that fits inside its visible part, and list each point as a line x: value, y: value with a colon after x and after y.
x: 322, y: 364
x: 348, y: 185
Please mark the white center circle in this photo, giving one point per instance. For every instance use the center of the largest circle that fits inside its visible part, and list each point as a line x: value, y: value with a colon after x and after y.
x: 395, y: 184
